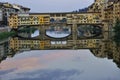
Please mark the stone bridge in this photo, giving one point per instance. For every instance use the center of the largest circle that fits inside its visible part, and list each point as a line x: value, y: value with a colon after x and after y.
x: 56, y: 30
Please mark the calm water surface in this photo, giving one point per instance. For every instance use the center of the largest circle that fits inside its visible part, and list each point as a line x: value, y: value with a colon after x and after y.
x: 58, y: 65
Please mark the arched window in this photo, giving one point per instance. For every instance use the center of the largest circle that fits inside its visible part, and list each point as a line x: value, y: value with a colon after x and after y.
x: 52, y: 20
x: 64, y: 20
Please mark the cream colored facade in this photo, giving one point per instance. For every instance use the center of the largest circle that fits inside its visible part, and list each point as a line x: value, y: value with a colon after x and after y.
x: 40, y: 19
x: 33, y: 19
x: 88, y: 43
x: 101, y: 12
x: 28, y: 20
x: 46, y: 19
x: 97, y: 6
x: 109, y: 10
x: 84, y: 18
x: 24, y: 20
x: 116, y: 10
x: 17, y: 44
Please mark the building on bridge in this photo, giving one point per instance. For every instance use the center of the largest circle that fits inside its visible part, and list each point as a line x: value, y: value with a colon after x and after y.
x: 97, y: 6
x: 107, y: 10
x: 110, y: 11
x: 101, y: 15
x: 17, y: 20
x: 27, y: 44
x: 6, y: 9
x: 4, y: 50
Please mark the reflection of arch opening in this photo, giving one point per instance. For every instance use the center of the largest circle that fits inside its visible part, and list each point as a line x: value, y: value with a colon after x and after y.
x: 64, y: 20
x: 28, y: 32
x: 58, y: 32
x: 88, y: 31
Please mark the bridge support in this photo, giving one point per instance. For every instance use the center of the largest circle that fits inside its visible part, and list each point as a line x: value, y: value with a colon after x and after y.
x: 74, y: 33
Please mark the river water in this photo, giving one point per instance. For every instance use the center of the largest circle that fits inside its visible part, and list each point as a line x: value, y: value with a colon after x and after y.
x: 82, y: 64
x: 58, y: 65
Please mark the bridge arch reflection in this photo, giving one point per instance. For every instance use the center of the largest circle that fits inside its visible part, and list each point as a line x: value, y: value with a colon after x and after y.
x: 88, y: 31
x: 58, y: 31
x: 28, y: 32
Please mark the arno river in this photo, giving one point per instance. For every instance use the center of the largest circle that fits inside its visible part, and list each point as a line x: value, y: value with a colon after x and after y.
x: 81, y: 64
x: 58, y: 65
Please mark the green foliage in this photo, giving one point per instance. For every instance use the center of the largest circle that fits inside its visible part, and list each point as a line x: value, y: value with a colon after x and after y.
x: 5, y: 35
x: 117, y: 32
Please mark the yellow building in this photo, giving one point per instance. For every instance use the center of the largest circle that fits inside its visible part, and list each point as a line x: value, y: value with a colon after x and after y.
x: 54, y: 18
x: 100, y: 12
x: 116, y: 10
x: 111, y: 13
x: 13, y: 21
x: 88, y: 43
x: 97, y: 6
x: 24, y: 20
x: 108, y: 17
x: 40, y: 18
x: 58, y: 18
x: 19, y: 44
x: 84, y: 18
x: 16, y: 20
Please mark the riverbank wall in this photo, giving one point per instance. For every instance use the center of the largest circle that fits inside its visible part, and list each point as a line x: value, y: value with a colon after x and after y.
x: 4, y: 29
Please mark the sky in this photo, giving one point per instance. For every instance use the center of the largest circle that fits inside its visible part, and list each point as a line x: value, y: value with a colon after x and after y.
x: 52, y: 5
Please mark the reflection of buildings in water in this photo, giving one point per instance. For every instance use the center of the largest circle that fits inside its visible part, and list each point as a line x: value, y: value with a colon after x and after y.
x: 17, y: 44
x: 89, y: 31
x: 108, y: 49
x: 4, y: 50
x: 99, y: 47
x: 34, y: 34
x: 59, y: 28
x: 100, y: 52
x: 58, y: 32
x: 116, y: 56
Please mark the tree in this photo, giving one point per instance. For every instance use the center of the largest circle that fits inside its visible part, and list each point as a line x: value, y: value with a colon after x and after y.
x: 5, y: 35
x: 117, y: 32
